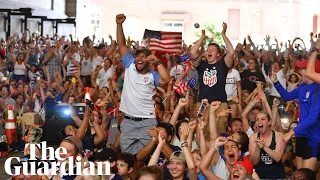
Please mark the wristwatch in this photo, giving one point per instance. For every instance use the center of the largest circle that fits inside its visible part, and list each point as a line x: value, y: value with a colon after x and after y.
x: 315, y: 49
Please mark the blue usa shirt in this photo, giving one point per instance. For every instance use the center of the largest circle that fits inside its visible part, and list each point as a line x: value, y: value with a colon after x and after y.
x: 309, y: 102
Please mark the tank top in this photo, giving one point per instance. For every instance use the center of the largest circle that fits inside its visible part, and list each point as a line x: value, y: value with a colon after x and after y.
x: 267, y: 168
x: 19, y: 69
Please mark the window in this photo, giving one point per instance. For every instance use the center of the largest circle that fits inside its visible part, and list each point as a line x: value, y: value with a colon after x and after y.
x: 234, y: 23
x: 173, y: 26
x: 95, y: 20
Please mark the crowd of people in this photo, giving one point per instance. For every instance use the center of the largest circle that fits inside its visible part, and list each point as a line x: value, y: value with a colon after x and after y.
x: 252, y: 114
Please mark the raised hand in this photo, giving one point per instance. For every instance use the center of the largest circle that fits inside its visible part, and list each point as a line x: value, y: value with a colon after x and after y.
x: 224, y: 28
x: 153, y: 132
x: 161, y: 138
x: 215, y: 105
x: 203, y: 34
x: 276, y: 102
x: 120, y: 18
x: 192, y: 125
x: 184, y: 132
x: 202, y: 124
x: 183, y: 101
x: 220, y: 141
x: 249, y: 38
x: 267, y: 39
x: 273, y: 77
x: 224, y: 113
x: 262, y: 96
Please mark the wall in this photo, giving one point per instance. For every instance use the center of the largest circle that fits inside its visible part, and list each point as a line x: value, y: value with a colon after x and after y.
x: 149, y: 14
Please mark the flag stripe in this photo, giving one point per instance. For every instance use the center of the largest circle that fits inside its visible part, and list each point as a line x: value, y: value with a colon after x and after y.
x: 171, y: 33
x: 166, y: 46
x: 165, y: 50
x: 167, y: 41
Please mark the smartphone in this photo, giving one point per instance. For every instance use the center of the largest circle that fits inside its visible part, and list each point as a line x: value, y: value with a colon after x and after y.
x: 89, y: 104
x: 4, y: 78
x: 201, y: 110
x: 38, y: 78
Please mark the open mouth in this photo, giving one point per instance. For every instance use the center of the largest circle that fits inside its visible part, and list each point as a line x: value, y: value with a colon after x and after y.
x: 260, y: 127
x: 236, y: 176
x: 231, y: 157
x: 209, y: 56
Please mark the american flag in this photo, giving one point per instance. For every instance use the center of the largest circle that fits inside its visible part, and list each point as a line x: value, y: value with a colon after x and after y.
x: 192, y: 82
x: 185, y: 58
x: 167, y: 42
x: 181, y: 87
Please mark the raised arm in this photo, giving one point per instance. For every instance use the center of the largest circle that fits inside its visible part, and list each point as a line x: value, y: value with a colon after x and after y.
x: 100, y: 133
x: 255, y: 49
x: 230, y: 53
x: 155, y: 156
x: 214, y: 133
x: 206, y: 160
x: 163, y: 73
x: 123, y: 49
x: 288, y: 96
x: 310, y: 71
x: 84, y: 125
x: 187, y: 153
x: 195, y: 49
x: 175, y: 115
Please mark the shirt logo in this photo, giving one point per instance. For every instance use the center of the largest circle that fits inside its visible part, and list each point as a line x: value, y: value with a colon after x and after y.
x: 146, y: 80
x: 210, y: 77
x: 307, y: 95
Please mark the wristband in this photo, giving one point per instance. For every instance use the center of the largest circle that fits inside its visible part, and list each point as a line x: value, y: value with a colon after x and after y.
x: 157, y: 63
x: 214, y: 146
x: 252, y: 104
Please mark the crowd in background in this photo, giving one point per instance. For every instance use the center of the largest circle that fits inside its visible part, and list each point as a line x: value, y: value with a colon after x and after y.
x: 252, y: 113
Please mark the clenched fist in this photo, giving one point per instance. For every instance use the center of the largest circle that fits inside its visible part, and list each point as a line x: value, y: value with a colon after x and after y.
x: 120, y: 18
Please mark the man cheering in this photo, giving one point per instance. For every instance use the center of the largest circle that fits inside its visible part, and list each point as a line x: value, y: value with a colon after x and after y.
x: 213, y: 72
x: 136, y: 101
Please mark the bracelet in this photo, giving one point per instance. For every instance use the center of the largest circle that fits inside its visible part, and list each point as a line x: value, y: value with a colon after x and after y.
x: 214, y: 146
x: 157, y: 63
x: 252, y: 104
x: 186, y: 145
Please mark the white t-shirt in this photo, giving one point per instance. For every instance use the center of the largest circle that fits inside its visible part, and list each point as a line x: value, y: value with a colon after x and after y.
x: 72, y: 68
x: 231, y: 84
x: 281, y: 78
x: 86, y: 67
x: 176, y: 71
x: 137, y: 93
x: 105, y: 75
x: 98, y: 60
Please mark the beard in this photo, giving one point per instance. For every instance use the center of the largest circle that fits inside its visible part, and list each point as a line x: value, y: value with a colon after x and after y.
x: 145, y: 67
